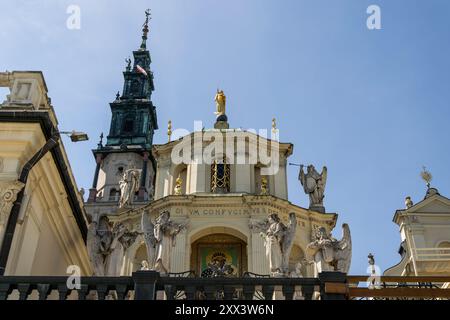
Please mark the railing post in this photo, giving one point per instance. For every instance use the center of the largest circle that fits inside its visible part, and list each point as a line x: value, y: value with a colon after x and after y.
x: 333, y: 286
x: 145, y: 284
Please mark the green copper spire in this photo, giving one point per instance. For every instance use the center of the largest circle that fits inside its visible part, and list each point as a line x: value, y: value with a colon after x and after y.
x: 145, y: 30
x: 134, y: 119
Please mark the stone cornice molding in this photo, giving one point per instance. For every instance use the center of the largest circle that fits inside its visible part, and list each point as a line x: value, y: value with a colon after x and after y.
x: 189, y: 202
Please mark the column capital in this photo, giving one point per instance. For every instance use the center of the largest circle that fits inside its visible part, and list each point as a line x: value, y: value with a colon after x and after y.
x: 8, y: 194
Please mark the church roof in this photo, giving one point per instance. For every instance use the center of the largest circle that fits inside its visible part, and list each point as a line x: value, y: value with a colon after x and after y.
x: 433, y: 203
x: 286, y: 147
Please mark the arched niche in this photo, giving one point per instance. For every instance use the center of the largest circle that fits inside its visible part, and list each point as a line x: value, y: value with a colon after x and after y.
x: 181, y: 171
x: 197, y: 234
x: 209, y: 247
x: 298, y: 256
x: 445, y: 246
x: 139, y: 256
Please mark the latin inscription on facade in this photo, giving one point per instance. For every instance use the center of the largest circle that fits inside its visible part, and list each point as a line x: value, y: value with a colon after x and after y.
x: 223, y: 212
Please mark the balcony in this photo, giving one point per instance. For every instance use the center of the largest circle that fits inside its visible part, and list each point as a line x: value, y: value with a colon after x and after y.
x: 432, y: 254
x: 149, y: 285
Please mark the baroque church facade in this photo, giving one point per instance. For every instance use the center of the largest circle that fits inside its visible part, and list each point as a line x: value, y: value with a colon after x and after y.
x: 213, y: 202
x: 217, y: 201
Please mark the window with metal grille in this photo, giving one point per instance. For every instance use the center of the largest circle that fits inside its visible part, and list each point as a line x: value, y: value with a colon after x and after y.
x: 220, y: 177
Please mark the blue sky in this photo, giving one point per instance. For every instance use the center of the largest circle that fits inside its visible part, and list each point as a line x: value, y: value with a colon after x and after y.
x: 372, y: 105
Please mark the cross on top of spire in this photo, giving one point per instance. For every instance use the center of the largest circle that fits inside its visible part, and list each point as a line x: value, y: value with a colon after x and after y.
x: 145, y: 29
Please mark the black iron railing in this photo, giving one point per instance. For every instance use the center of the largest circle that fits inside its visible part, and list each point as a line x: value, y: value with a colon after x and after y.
x: 45, y: 287
x: 399, y: 288
x: 150, y: 285
x: 238, y: 288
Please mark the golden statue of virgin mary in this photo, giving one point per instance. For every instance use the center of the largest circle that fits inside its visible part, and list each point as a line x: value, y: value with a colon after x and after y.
x: 220, y: 100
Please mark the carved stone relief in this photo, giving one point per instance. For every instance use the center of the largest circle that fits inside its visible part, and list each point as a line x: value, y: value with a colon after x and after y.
x: 8, y: 194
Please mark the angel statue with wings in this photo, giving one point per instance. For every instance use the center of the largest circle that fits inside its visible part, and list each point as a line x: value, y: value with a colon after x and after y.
x: 313, y: 184
x: 123, y: 238
x: 98, y: 244
x: 148, y: 230
x: 160, y: 239
x: 279, y: 239
x: 129, y: 185
x: 329, y: 254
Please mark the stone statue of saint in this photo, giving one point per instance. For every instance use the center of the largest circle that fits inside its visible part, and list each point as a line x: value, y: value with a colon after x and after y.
x: 220, y: 100
x: 144, y: 265
x: 148, y: 230
x: 274, y: 237
x: 122, y: 240
x: 278, y: 241
x: 297, y: 273
x: 93, y: 243
x: 165, y: 234
x: 115, y: 260
x: 98, y: 244
x: 330, y: 254
x: 129, y: 185
x: 288, y: 241
x: 128, y: 61
x: 314, y: 184
x: 408, y: 202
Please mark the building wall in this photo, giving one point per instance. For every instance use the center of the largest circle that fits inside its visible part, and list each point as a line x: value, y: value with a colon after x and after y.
x: 109, y: 175
x: 207, y: 215
x: 424, y: 232
x: 47, y: 238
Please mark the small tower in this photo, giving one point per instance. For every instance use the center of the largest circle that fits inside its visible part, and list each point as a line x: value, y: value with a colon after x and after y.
x: 424, y: 231
x: 130, y: 139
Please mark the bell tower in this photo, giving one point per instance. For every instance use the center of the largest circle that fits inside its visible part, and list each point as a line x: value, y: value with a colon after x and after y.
x: 130, y: 139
